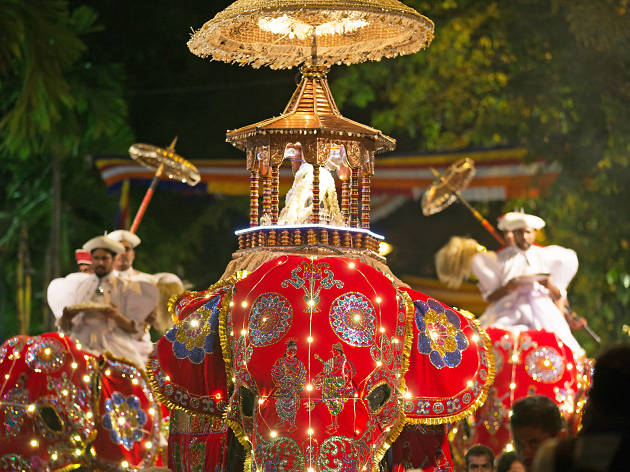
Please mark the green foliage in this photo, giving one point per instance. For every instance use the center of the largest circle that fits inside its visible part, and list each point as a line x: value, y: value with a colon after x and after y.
x: 59, y: 103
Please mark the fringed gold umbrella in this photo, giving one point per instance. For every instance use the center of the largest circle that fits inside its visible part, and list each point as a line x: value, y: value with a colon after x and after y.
x: 282, y: 34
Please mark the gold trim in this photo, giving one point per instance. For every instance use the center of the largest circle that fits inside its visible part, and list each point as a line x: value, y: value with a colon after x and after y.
x: 398, y: 426
x: 68, y: 468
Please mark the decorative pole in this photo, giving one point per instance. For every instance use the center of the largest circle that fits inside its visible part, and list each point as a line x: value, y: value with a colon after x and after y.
x: 354, y: 199
x: 365, y: 201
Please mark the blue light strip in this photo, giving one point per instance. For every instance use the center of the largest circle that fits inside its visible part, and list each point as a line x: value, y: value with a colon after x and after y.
x: 311, y: 226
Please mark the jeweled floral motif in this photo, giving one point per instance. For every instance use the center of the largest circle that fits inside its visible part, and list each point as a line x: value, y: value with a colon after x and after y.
x: 14, y: 410
x: 269, y: 319
x: 353, y: 320
x: 545, y: 365
x: 280, y: 455
x: 124, y: 419
x: 315, y: 277
x: 196, y: 336
x: 339, y: 453
x: 439, y: 334
x: 14, y: 463
x: 46, y: 355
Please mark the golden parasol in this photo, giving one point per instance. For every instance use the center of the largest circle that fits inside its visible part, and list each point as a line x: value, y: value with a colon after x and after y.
x: 286, y: 33
x: 447, y: 188
x: 164, y: 161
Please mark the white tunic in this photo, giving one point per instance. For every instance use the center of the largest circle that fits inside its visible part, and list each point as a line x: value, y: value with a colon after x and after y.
x: 95, y: 331
x: 529, y: 306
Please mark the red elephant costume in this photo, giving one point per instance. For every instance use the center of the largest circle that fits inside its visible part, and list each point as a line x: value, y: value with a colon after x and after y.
x: 316, y: 363
x: 63, y: 408
x: 528, y: 363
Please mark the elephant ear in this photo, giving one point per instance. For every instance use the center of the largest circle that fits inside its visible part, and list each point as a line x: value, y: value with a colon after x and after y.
x: 451, y: 363
x: 186, y: 368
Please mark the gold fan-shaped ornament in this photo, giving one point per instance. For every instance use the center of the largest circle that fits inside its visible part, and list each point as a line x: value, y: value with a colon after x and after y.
x: 164, y: 161
x: 448, y: 187
x: 443, y: 192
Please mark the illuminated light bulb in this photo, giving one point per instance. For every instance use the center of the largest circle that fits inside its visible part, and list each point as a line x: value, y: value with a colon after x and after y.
x: 356, y: 431
x: 61, y: 335
x: 546, y: 363
x: 6, y: 376
x: 74, y: 365
x: 475, y: 338
x: 217, y: 395
x: 86, y: 378
x: 151, y: 411
x: 514, y: 357
x: 54, y: 456
x: 579, y: 385
x: 89, y: 415
x: 388, y: 429
x: 246, y: 438
x: 77, y: 452
x: 78, y: 346
x: 311, y: 302
x: 264, y: 318
x: 77, y: 437
x: 231, y: 333
x: 85, y: 356
x: 569, y: 366
x: 34, y: 443
x: 379, y: 363
x: 382, y: 330
x: 194, y: 323
x: 261, y: 401
x: 231, y: 303
x: 356, y: 395
x: 469, y: 383
x: 560, y: 344
x: 309, y: 387
x: 379, y: 299
x: 47, y: 351
x: 64, y: 392
x: 134, y: 381
x: 407, y: 394
x: 244, y: 304
x: 512, y: 386
x: 124, y: 464
x: 31, y: 408
x: 148, y: 444
x: 108, y: 372
x: 310, y: 431
x: 309, y: 339
x: 121, y: 421
x: 310, y: 469
x: 352, y: 265
x: 510, y: 414
x: 395, y: 340
x: 454, y: 430
x: 233, y: 379
x: 273, y: 434
x: 357, y: 317
x: 509, y: 447
x: 243, y: 332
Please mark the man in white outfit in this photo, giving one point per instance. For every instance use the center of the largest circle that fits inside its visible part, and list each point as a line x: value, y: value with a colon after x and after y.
x: 524, y: 282
x: 102, y: 311
x: 168, y: 284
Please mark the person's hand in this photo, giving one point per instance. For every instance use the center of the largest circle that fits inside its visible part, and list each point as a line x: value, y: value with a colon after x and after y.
x: 576, y: 322
x: 512, y: 285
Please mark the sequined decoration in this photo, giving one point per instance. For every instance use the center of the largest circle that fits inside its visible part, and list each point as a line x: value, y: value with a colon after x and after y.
x: 281, y: 455
x: 289, y: 376
x: 269, y: 319
x: 545, y: 365
x: 14, y: 463
x: 196, y: 336
x: 315, y: 277
x: 14, y: 411
x: 337, y: 454
x: 439, y: 334
x: 46, y: 355
x: 498, y: 359
x: 353, y: 320
x: 124, y: 419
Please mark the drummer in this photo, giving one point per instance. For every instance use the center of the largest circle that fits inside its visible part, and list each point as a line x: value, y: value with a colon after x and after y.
x: 526, y: 280
x: 100, y: 310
